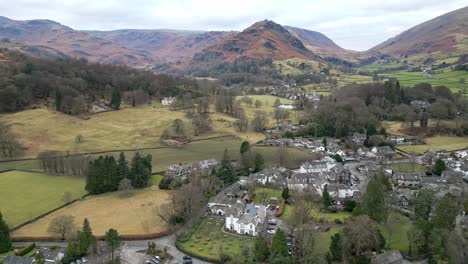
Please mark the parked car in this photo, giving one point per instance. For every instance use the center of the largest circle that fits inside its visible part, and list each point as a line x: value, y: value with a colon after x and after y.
x: 272, y: 221
x: 271, y: 231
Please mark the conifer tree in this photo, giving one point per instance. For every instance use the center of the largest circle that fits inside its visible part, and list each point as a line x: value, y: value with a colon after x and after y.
x: 5, y: 239
x: 226, y: 171
x: 122, y: 166
x: 115, y: 99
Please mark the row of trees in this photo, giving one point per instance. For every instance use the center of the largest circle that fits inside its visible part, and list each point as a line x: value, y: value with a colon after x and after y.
x: 58, y: 162
x: 105, y: 174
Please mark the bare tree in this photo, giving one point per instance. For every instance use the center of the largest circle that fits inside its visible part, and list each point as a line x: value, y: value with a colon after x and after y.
x: 259, y: 121
x: 282, y: 156
x: 62, y: 226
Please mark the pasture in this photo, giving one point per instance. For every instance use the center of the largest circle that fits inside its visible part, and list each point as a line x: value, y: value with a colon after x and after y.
x: 407, y: 167
x: 438, y: 143
x: 445, y: 77
x: 129, y: 214
x: 197, y: 150
x: 25, y: 195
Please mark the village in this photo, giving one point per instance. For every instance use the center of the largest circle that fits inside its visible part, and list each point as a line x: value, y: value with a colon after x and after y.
x: 253, y: 205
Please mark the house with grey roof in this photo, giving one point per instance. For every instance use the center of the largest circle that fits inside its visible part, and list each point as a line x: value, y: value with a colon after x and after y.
x: 245, y: 219
x: 390, y: 257
x: 408, y: 179
x: 17, y: 260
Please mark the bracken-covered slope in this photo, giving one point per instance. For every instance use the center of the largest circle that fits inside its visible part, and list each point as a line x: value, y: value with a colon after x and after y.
x: 446, y: 35
x: 47, y: 33
x: 163, y: 44
x: 262, y: 40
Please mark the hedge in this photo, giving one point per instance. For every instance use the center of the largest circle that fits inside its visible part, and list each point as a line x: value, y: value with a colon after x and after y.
x: 124, y: 237
x: 197, y: 256
x: 25, y: 250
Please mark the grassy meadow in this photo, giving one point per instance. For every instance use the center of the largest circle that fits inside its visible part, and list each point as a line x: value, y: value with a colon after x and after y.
x: 130, y: 213
x: 438, y: 143
x: 446, y: 77
x: 25, y: 195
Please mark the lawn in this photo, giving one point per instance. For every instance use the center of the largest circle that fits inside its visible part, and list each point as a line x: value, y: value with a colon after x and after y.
x: 263, y: 195
x: 25, y: 195
x: 131, y: 213
x: 156, y: 179
x: 396, y: 230
x: 208, y: 240
x: 438, y: 143
x: 316, y: 214
x: 323, y: 240
x: 407, y: 167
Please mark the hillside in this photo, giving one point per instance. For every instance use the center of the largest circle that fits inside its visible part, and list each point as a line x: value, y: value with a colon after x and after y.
x: 320, y: 44
x: 442, y: 37
x: 263, y: 40
x: 36, y: 34
x: 164, y: 45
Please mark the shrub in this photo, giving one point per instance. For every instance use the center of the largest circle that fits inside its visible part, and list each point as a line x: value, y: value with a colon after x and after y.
x: 25, y: 250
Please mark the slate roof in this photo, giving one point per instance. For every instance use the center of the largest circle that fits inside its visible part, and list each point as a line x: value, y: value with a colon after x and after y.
x: 17, y: 260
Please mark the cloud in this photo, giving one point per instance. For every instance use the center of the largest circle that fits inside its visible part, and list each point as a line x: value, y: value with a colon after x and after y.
x: 357, y: 24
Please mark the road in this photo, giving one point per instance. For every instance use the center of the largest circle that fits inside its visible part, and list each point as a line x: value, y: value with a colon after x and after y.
x: 129, y: 249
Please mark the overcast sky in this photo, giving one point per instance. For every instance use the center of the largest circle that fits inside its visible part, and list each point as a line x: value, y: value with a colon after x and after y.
x: 352, y: 24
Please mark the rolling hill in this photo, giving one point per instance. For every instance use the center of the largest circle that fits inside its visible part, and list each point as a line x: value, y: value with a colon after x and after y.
x: 42, y: 34
x: 165, y: 45
x: 442, y: 37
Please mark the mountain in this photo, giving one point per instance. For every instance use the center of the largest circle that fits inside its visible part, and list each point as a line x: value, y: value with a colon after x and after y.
x: 164, y: 44
x: 443, y: 36
x: 317, y: 42
x: 72, y: 43
x: 262, y: 40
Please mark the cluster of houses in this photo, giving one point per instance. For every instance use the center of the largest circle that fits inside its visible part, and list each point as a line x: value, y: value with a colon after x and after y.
x: 312, y: 176
x: 183, y: 171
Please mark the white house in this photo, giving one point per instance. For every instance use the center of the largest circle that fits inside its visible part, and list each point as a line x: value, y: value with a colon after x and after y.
x: 245, y: 219
x: 287, y: 106
x: 167, y: 100
x: 341, y: 191
x: 323, y: 165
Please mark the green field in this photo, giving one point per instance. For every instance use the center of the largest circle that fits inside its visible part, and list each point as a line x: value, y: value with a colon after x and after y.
x: 317, y: 214
x: 396, y: 230
x: 197, y: 150
x: 26, y: 195
x: 447, y: 78
x: 407, y: 167
x: 208, y: 240
x: 438, y: 143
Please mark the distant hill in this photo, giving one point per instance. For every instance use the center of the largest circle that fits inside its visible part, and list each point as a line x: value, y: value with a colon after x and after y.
x: 262, y: 40
x: 37, y: 34
x: 163, y: 44
x: 443, y: 36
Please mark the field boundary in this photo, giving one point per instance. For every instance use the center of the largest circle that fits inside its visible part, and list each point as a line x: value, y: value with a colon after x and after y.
x: 123, y: 150
x: 47, y: 213
x: 101, y: 238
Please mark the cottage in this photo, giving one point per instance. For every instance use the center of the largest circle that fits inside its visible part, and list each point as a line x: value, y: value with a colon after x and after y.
x: 275, y: 176
x: 245, y: 219
x: 168, y: 100
x: 359, y: 138
x: 341, y: 191
x: 184, y: 171
x: 390, y: 257
x: 306, y: 182
x: 453, y: 177
x: 418, y: 104
x: 52, y: 255
x: 326, y: 164
x: 408, y: 179
x: 287, y: 106
x: 383, y: 152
